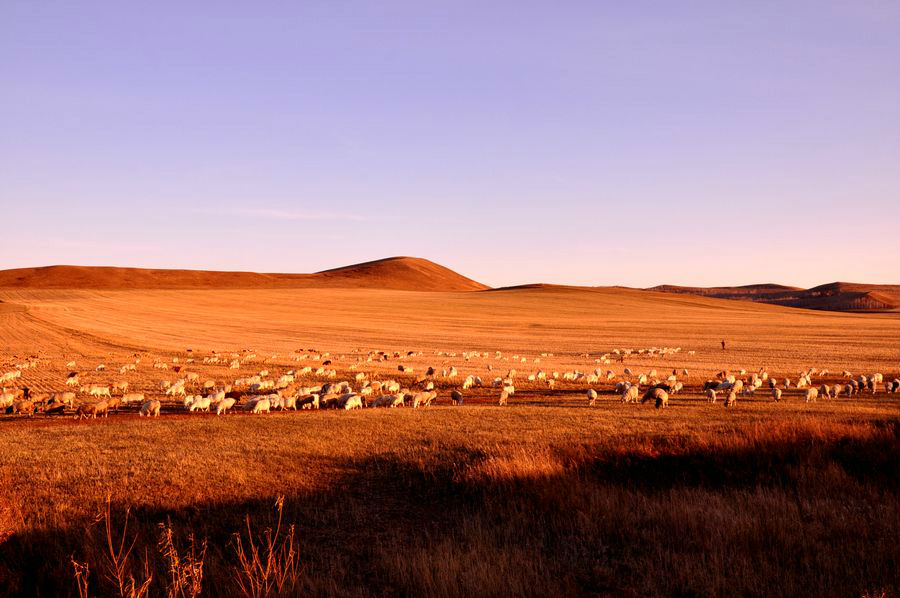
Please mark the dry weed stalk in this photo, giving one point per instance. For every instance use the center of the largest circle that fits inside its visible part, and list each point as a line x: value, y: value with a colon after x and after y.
x: 82, y: 574
x: 185, y: 573
x: 269, y: 565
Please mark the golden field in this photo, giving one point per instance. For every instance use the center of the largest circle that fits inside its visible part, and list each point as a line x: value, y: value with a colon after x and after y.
x: 544, y: 496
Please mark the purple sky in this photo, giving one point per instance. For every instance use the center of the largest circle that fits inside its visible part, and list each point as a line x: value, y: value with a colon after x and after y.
x: 601, y: 143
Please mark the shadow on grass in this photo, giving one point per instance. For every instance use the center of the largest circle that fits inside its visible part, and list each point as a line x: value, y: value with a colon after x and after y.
x: 799, y: 514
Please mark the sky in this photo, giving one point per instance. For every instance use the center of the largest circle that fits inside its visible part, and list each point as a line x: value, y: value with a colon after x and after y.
x: 601, y: 143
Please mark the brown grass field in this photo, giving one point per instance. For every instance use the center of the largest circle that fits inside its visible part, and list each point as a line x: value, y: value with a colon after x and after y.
x: 546, y: 496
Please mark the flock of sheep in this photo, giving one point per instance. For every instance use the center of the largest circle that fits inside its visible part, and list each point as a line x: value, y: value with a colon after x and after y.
x: 304, y: 387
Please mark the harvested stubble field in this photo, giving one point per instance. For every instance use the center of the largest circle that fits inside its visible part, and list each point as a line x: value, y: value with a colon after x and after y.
x: 545, y: 496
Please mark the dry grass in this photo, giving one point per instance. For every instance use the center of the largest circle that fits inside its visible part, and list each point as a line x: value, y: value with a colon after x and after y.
x: 526, y: 500
x: 544, y: 497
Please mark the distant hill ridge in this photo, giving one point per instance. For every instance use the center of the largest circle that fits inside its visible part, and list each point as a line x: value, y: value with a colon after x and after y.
x: 835, y: 296
x: 395, y: 273
x: 418, y: 274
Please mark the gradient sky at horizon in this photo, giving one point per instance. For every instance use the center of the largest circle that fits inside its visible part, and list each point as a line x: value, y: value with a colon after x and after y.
x: 632, y: 143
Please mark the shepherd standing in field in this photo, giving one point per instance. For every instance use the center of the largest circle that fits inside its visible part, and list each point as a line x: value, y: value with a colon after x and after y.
x: 723, y: 344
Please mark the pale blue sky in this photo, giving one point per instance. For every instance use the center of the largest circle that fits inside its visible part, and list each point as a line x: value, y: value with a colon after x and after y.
x: 631, y: 143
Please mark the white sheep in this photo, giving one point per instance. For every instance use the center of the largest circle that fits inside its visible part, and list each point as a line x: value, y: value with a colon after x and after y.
x: 67, y: 398
x: 423, y: 399
x: 150, y: 408
x: 731, y: 400
x: 353, y: 402
x: 96, y: 390
x: 630, y: 395
x: 200, y: 404
x: 132, y: 397
x: 224, y: 405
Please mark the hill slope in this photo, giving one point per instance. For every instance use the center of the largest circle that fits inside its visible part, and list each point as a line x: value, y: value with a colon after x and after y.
x: 836, y: 296
x: 396, y: 273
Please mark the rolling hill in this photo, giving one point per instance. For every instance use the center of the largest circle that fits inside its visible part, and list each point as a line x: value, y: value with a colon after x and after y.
x: 417, y: 274
x: 835, y: 296
x: 396, y: 273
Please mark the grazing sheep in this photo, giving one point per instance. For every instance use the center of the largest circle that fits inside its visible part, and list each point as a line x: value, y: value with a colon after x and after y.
x: 96, y: 390
x: 504, y: 397
x: 825, y: 391
x: 38, y: 398
x: 353, y: 402
x: 120, y: 387
x: 176, y: 389
x: 308, y: 401
x: 659, y: 395
x: 200, y: 404
x: 592, y: 396
x: 711, y: 395
x: 113, y: 404
x: 91, y: 410
x: 812, y: 394
x: 24, y: 407
x: 150, y: 408
x: 224, y: 405
x: 862, y: 383
x: 456, y: 398
x: 261, y: 406
x: 631, y: 394
x: 67, y: 398
x: 6, y: 399
x: 662, y: 399
x: 329, y: 401
x: 132, y: 397
x: 55, y: 407
x: 423, y: 399
x: 776, y: 394
x: 650, y: 394
x: 731, y: 400
x: 383, y: 401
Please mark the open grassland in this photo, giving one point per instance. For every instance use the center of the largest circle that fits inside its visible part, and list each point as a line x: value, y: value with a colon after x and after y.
x: 765, y: 500
x: 547, y: 496
x: 567, y: 322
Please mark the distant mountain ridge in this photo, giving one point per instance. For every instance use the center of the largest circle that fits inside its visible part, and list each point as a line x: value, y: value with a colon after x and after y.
x: 418, y: 274
x: 395, y: 273
x: 835, y: 296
